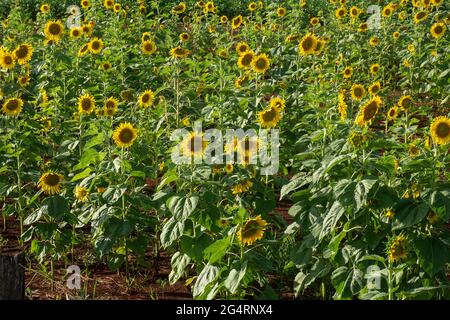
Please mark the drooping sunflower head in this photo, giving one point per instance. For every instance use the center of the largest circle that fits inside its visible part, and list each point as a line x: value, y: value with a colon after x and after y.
x: 375, y: 88
x: 193, y: 144
x: 320, y: 44
x: 87, y: 30
x: 269, y: 117
x: 242, y: 187
x: 54, y: 30
x: 83, y: 50
x: 12, y: 106
x: 260, y: 63
x: 413, y: 150
x: 358, y: 92
x: 51, y: 183
x: 236, y: 22
x: 348, y: 72
x: 437, y: 30
x: 96, y: 45
x: 81, y: 193
x: 23, y: 53
x: 307, y: 44
x: 110, y: 106
x: 125, y: 135
x: 242, y: 47
x: 148, y: 47
x: 397, y: 248
x: 440, y: 130
x: 405, y: 102
x: 86, y: 104
x: 24, y: 80
x: 252, y: 231
x: 179, y: 52
x: 245, y: 60
x: 146, y: 99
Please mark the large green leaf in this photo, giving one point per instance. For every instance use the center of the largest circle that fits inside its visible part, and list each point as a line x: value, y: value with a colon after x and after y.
x: 206, y: 277
x: 331, y: 219
x: 408, y: 213
x: 217, y: 250
x: 182, y: 207
x: 235, y: 277
x: 179, y: 263
x: 433, y: 254
x: 362, y: 191
x: 171, y: 231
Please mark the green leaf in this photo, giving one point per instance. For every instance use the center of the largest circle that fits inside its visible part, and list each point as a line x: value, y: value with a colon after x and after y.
x: 235, y: 277
x: 95, y: 141
x: 362, y: 191
x: 331, y: 219
x: 179, y: 263
x: 408, y: 213
x: 182, y: 207
x: 217, y: 250
x: 206, y: 277
x: 57, y: 206
x: 318, y: 270
x: 36, y: 215
x: 433, y: 254
x: 83, y: 174
x: 171, y: 231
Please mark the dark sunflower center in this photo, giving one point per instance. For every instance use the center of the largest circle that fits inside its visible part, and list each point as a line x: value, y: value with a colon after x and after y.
x: 358, y: 92
x: 375, y: 69
x: 341, y: 13
x: 354, y: 12
x: 387, y: 12
x: 307, y: 44
x: 86, y: 104
x: 7, y: 60
x: 247, y: 59
x: 250, y: 229
x: 179, y: 51
x: 406, y: 103
x: 375, y: 89
x: 109, y: 3
x: 75, y: 33
x: 269, y: 115
x: 261, y: 63
x: 392, y: 113
x: 12, y: 105
x: 347, y: 71
x: 438, y: 29
x: 443, y: 130
x: 370, y: 111
x: 110, y: 104
x: 148, y: 47
x: 126, y: 135
x: 22, y: 52
x: 54, y: 29
x: 52, y: 179
x: 420, y: 15
x: 146, y: 98
x: 96, y: 45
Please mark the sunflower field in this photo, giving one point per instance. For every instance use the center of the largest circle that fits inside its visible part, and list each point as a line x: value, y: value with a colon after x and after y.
x: 358, y: 92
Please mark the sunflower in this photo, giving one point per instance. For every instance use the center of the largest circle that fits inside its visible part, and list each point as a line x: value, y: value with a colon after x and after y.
x: 420, y: 16
x: 437, y: 30
x: 209, y: 7
x: 184, y: 37
x: 193, y: 144
x: 348, y: 72
x: 252, y: 6
x: 374, y: 41
x: 108, y: 4
x: 23, y: 81
x: 86, y: 104
x: 397, y: 248
x: 110, y: 106
x: 354, y: 12
x: 387, y: 11
x: 142, y: 9
x: 281, y: 12
x: 23, y: 53
x: 405, y: 102
x: 389, y: 214
x: 236, y: 22
x: 83, y: 50
x: 307, y: 44
x: 81, y: 193
x: 269, y: 117
x: 148, y: 47
x: 363, y: 27
x: 54, y: 30
x: 125, y: 135
x: 245, y: 60
x: 12, y: 106
x: 374, y: 88
x: 179, y: 8
x: 87, y: 30
x: 342, y: 106
x: 260, y: 63
x: 436, y: 2
x: 96, y: 45
x: 319, y: 46
x: 117, y: 7
x: 106, y: 66
x: 413, y: 150
x: 50, y: 183
x: 368, y: 111
x: 252, y: 230
x: 314, y: 21
x: 179, y: 52
x: 85, y: 4
x: 7, y: 60
x: 45, y: 8
x: 358, y: 92
x: 277, y: 103
x: 242, y: 187
x: 223, y: 53
x: 229, y: 168
x: 242, y: 47
x: 396, y: 35
x: 440, y: 130
x: 223, y: 19
x: 392, y: 113
x: 76, y: 32
x: 340, y: 12
x: 374, y: 68
x: 146, y: 99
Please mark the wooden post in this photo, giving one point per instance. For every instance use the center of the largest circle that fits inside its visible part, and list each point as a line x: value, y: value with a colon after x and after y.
x: 12, y: 277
